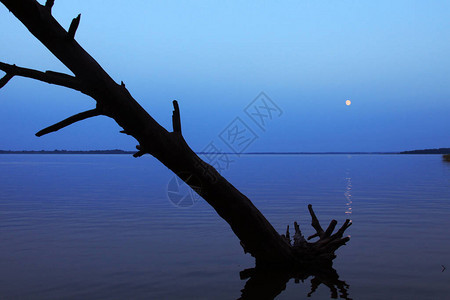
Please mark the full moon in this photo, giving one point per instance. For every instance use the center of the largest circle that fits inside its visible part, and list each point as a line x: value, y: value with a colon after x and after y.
x: 348, y: 102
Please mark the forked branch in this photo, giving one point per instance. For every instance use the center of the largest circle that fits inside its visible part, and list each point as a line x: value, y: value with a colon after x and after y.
x: 51, y: 77
x: 49, y: 5
x: 323, y: 249
x: 140, y: 152
x: 5, y: 79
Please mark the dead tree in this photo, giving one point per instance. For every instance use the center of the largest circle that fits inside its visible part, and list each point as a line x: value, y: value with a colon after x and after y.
x: 256, y: 234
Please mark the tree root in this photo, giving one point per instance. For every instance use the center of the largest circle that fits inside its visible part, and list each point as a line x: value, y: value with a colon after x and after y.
x: 322, y: 250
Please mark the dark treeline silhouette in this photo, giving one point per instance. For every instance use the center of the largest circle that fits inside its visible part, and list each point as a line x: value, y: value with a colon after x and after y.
x: 119, y: 151
x: 428, y: 151
x: 114, y: 151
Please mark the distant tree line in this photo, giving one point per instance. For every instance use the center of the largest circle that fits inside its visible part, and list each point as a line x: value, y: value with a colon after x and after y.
x: 428, y: 151
x: 115, y: 151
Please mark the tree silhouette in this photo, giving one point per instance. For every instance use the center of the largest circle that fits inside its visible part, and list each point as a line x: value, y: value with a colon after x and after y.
x: 256, y: 234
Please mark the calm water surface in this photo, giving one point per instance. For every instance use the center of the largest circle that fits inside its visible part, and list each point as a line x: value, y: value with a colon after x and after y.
x: 103, y: 227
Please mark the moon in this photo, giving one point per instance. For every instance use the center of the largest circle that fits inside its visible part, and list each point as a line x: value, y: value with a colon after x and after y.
x: 348, y: 102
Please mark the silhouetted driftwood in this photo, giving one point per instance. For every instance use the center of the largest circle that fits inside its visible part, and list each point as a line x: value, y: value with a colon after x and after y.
x: 256, y: 234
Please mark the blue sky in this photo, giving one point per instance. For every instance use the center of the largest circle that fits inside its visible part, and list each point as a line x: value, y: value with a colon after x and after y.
x: 390, y: 58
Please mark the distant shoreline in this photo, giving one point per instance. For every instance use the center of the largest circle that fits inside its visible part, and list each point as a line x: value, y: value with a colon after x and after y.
x: 115, y: 151
x: 118, y: 151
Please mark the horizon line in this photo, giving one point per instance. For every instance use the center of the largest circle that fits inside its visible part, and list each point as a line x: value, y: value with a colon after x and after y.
x: 120, y: 151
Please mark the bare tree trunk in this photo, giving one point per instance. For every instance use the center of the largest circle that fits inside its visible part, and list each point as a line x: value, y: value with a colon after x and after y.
x: 256, y: 234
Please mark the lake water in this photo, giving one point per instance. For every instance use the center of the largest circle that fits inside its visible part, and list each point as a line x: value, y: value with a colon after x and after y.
x: 103, y: 226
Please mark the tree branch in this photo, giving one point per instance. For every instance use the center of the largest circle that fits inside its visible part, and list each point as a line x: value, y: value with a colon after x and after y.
x: 49, y: 5
x: 330, y: 228
x: 140, y: 152
x: 51, y: 77
x: 5, y: 79
x: 70, y: 120
x: 176, y: 122
x: 73, y: 27
x: 315, y: 223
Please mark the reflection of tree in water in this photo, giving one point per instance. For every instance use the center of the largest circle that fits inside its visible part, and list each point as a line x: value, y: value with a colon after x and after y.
x: 267, y: 284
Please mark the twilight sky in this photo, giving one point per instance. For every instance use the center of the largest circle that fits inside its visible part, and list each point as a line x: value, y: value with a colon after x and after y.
x: 390, y: 58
